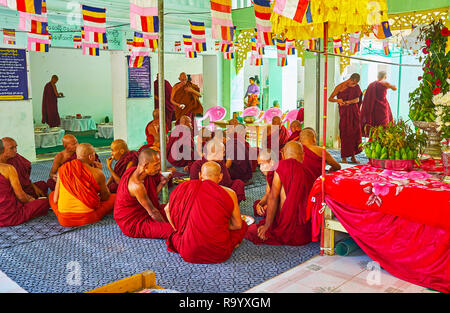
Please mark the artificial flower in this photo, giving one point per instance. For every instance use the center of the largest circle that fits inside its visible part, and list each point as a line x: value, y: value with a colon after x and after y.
x: 445, y: 32
x: 436, y: 90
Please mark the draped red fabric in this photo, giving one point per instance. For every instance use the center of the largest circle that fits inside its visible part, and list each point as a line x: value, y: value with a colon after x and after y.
x: 50, y: 113
x: 301, y: 115
x: 237, y: 185
x: 201, y: 211
x: 121, y: 166
x: 290, y: 226
x: 269, y: 180
x: 169, y: 110
x: 294, y: 136
x: 132, y: 218
x: 150, y: 138
x: 349, y: 122
x: 375, y: 110
x: 238, y: 150
x: 312, y: 162
x: 23, y: 168
x: 192, y: 102
x: 415, y: 252
x: 13, y: 212
x: 80, y: 183
x: 175, y: 149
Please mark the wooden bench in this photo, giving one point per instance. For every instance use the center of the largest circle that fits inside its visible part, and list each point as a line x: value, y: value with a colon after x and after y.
x: 132, y: 284
x: 331, y: 226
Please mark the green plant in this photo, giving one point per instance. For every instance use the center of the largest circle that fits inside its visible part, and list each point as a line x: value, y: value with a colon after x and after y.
x: 436, y: 67
x: 396, y: 141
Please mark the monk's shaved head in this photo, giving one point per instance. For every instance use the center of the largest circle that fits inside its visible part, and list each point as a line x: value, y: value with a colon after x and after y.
x: 156, y: 114
x: 212, y: 171
x: 233, y: 122
x: 9, y: 148
x: 296, y: 125
x: 185, y: 120
x: 276, y: 120
x: 69, y: 139
x: 147, y: 156
x: 293, y: 150
x: 84, y: 150
x: 308, y: 136
x: 119, y: 144
x: 214, y: 150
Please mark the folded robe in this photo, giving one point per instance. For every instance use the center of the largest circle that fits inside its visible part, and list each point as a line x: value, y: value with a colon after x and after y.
x: 289, y: 226
x: 237, y: 185
x: 201, y: 211
x: 78, y: 202
x: 121, y: 167
x: 176, y: 149
x: 132, y: 218
x: 238, y: 150
x: 23, y: 168
x: 12, y: 211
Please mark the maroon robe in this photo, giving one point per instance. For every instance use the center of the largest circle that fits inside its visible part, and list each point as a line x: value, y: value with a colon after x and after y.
x: 175, y: 149
x: 12, y: 211
x: 349, y: 122
x: 312, y: 163
x: 169, y: 112
x: 121, y: 167
x: 375, y: 110
x: 301, y: 115
x: 283, y: 137
x: 132, y: 218
x: 269, y: 180
x: 23, y: 168
x: 289, y: 226
x: 237, y: 185
x: 238, y: 150
x: 294, y: 136
x: 50, y: 113
x: 201, y: 211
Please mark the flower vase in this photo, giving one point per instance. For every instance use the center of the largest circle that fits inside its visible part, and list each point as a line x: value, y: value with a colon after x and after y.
x: 433, y: 147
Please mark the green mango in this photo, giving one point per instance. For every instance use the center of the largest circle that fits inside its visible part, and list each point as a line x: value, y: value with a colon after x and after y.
x: 392, y: 156
x: 368, y: 152
x: 378, y: 149
x: 410, y: 155
x: 397, y: 155
x: 383, y: 156
x: 384, y: 150
x: 376, y: 155
x: 404, y: 156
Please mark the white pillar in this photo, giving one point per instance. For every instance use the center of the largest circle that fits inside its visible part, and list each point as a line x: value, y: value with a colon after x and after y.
x: 119, y: 97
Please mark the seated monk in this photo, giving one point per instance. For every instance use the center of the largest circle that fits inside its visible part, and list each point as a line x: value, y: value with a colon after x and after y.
x: 152, y: 131
x: 266, y: 165
x: 76, y: 200
x: 125, y: 159
x: 205, y: 217
x: 313, y: 154
x: 137, y: 210
x: 238, y: 155
x: 181, y: 146
x: 16, y: 206
x: 23, y: 168
x: 204, y: 136
x: 296, y: 129
x: 285, y: 222
x: 277, y: 130
x: 215, y: 152
x: 70, y: 144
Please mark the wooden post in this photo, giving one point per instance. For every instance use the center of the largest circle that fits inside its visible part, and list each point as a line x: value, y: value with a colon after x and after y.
x: 161, y: 94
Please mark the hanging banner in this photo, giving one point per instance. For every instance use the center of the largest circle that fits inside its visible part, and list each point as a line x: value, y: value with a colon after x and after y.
x: 139, y: 84
x: 13, y: 74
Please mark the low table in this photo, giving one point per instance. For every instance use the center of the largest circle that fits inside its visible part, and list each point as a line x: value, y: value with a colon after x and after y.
x: 105, y: 131
x: 49, y: 139
x: 78, y: 125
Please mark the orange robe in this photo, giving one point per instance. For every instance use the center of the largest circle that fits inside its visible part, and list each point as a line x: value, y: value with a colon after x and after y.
x: 201, y: 211
x: 79, y: 203
x: 192, y: 102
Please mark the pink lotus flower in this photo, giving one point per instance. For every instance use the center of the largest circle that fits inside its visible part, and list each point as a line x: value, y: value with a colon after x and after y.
x: 418, y: 175
x: 380, y: 189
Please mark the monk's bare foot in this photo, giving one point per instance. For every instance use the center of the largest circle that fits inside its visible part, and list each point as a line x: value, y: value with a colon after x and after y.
x: 354, y: 160
x: 344, y: 160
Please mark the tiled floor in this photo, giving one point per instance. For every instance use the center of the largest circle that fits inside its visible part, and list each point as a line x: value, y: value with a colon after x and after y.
x: 337, y: 274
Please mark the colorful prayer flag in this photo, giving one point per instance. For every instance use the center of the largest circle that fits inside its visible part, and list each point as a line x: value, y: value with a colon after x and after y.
x: 282, y: 61
x: 144, y: 15
x: 90, y: 48
x: 129, y: 44
x: 293, y: 9
x: 77, y: 42
x: 197, y: 28
x: 217, y: 45
x: 28, y: 6
x: 337, y: 45
x: 268, y: 39
x: 256, y: 60
x: 93, y: 15
x: 262, y: 15
x: 220, y: 16
x: 9, y: 36
x: 136, y: 61
x: 225, y: 46
x: 228, y: 55
x: 290, y: 47
x: 151, y: 40
x: 308, y: 15
x: 382, y: 31
x: 38, y: 42
x: 191, y: 54
x: 187, y: 40
x: 177, y: 45
x: 355, y: 42
x: 386, y: 47
x: 227, y: 32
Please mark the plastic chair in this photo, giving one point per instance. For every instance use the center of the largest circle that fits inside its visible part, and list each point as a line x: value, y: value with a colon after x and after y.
x: 270, y: 114
x: 216, y: 113
x: 290, y: 117
x: 251, y: 111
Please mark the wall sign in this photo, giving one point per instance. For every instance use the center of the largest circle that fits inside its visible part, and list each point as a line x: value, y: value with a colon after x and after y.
x: 13, y: 74
x: 139, y: 85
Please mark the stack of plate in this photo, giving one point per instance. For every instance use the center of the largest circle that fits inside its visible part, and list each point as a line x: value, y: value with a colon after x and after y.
x: 55, y: 129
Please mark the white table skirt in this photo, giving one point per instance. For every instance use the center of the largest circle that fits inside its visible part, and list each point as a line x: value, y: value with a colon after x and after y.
x: 78, y: 125
x: 50, y: 139
x: 105, y: 131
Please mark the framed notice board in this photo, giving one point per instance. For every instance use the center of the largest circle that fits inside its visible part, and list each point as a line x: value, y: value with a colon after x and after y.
x: 139, y: 80
x: 13, y: 74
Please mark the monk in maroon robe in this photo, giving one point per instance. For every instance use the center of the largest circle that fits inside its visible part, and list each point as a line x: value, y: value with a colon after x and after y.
x: 349, y: 98
x: 70, y: 144
x: 137, y: 210
x: 285, y: 222
x: 169, y: 111
x: 276, y: 129
x: 206, y: 219
x: 23, y: 168
x: 125, y: 159
x: 267, y: 165
x: 301, y: 115
x: 238, y: 155
x: 152, y: 131
x: 312, y: 160
x: 215, y: 152
x: 50, y: 97
x: 17, y: 207
x: 375, y: 110
x: 180, y: 149
x: 296, y: 129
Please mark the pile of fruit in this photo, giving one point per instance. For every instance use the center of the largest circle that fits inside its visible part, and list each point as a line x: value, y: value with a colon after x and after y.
x: 396, y: 141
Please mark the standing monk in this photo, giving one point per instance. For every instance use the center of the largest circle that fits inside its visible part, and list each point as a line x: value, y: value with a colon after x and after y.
x: 375, y: 110
x: 349, y: 98
x: 285, y: 222
x: 23, y: 168
x: 137, y: 210
x: 186, y: 93
x: 50, y: 97
x: 169, y: 113
x: 125, y: 159
x: 16, y: 207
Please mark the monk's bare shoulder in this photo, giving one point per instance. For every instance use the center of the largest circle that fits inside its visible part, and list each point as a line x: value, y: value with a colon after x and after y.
x: 230, y: 192
x: 316, y: 149
x: 6, y: 170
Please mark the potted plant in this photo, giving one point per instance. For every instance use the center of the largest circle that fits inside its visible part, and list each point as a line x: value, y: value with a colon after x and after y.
x: 394, y: 146
x: 436, y: 67
x: 442, y: 103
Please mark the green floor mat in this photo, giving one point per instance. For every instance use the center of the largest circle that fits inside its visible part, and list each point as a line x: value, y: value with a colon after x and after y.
x: 96, y: 142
